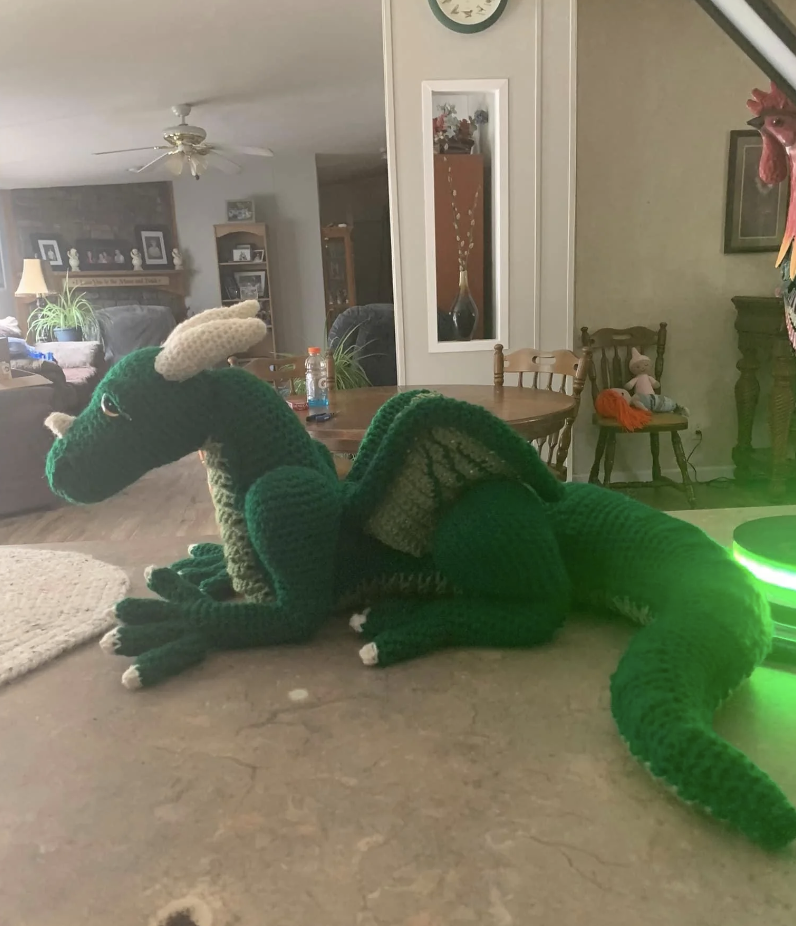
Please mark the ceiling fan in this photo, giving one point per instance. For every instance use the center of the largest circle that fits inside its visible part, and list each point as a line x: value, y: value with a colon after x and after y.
x: 186, y: 146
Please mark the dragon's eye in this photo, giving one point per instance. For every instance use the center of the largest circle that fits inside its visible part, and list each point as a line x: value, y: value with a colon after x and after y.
x: 109, y: 407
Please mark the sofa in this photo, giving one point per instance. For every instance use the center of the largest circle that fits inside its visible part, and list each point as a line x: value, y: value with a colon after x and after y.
x: 82, y: 363
x: 372, y: 329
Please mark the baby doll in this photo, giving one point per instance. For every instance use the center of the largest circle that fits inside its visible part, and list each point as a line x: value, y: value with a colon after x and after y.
x: 644, y: 385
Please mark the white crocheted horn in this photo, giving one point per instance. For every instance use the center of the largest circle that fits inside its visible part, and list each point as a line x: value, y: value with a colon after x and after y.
x: 203, y: 346
x: 246, y: 309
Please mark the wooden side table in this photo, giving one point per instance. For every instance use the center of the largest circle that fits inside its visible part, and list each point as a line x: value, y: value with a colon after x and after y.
x: 762, y: 341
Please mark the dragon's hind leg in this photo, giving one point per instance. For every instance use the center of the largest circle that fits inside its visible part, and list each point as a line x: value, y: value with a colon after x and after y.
x: 496, y: 547
x: 452, y: 622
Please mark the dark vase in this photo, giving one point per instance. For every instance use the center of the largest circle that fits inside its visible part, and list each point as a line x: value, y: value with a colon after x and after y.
x: 464, y: 311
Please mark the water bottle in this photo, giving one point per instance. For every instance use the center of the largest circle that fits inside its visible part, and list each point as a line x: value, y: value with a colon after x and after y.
x: 317, y: 382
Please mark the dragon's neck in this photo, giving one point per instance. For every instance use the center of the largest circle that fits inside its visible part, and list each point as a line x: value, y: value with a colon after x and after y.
x: 253, y: 430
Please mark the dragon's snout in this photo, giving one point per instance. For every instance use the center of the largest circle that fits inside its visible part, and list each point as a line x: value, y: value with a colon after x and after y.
x: 59, y: 423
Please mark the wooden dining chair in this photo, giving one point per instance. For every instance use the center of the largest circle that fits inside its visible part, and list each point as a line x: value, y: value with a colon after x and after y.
x: 612, y: 349
x: 554, y: 370
x: 280, y: 370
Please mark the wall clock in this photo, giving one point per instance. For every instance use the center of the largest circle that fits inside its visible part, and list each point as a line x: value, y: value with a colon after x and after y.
x: 468, y: 15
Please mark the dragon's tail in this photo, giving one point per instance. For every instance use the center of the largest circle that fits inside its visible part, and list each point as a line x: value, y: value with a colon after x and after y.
x: 668, y: 685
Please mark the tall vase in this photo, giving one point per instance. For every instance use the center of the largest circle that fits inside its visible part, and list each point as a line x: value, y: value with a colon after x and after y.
x: 464, y: 311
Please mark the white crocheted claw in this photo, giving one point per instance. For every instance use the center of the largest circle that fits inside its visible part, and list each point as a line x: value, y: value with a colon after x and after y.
x: 358, y: 621
x: 131, y: 679
x: 109, y: 643
x: 369, y: 654
x: 191, y: 548
x: 148, y: 572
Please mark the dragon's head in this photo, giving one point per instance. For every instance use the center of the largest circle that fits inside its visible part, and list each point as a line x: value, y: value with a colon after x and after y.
x: 152, y: 407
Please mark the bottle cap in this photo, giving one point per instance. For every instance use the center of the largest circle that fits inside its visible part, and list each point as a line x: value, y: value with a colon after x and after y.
x: 313, y: 350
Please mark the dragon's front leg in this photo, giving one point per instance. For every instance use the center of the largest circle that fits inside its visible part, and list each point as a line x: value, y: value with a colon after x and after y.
x: 293, y: 517
x: 206, y: 568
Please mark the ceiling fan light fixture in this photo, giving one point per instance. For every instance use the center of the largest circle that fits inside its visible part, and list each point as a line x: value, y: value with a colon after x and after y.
x: 174, y: 164
x: 198, y: 165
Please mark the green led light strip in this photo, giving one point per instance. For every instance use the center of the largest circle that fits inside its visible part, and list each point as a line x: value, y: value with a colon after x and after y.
x: 768, y: 571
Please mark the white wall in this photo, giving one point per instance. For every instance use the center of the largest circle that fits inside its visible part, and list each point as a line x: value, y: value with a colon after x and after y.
x: 285, y: 191
x: 660, y: 87
x: 534, y: 52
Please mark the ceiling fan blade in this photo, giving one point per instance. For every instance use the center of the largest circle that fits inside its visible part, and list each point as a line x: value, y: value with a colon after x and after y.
x: 138, y: 170
x: 247, y: 149
x: 125, y: 150
x: 215, y: 159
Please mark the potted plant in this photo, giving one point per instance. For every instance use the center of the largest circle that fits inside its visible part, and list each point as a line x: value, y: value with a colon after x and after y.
x: 66, y: 317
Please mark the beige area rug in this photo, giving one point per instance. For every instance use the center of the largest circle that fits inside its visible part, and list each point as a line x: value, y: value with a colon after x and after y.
x: 51, y: 602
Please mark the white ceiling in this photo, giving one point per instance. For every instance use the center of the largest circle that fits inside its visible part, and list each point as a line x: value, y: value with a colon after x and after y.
x: 92, y: 75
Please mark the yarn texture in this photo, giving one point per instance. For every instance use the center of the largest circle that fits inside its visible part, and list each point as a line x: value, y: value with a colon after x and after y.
x: 448, y: 530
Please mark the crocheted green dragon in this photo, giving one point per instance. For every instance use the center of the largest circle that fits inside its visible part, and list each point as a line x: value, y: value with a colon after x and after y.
x: 448, y: 530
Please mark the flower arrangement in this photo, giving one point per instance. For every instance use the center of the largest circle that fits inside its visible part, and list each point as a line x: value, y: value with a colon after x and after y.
x: 454, y: 135
x: 464, y: 230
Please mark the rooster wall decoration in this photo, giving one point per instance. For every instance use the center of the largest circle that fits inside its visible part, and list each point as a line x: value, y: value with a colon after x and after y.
x: 775, y: 119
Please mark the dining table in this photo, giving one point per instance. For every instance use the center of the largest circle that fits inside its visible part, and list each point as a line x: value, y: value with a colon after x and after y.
x: 534, y: 413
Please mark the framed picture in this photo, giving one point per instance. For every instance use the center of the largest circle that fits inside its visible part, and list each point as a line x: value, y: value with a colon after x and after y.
x: 155, y: 245
x: 242, y: 252
x: 51, y: 249
x: 240, y: 210
x: 258, y: 256
x: 249, y: 291
x: 104, y: 254
x: 252, y: 277
x: 755, y: 212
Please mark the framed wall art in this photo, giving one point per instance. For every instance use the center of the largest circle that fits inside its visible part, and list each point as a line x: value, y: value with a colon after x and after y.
x: 155, y: 245
x: 49, y: 247
x: 755, y: 212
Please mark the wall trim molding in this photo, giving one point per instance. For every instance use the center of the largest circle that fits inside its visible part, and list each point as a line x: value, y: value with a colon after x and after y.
x: 392, y: 184
x: 498, y: 89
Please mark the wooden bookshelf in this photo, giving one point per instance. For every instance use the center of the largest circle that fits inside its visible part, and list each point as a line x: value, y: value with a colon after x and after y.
x: 229, y: 236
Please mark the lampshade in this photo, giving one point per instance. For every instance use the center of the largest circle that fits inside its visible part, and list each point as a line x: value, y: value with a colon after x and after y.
x: 174, y: 164
x: 36, y: 278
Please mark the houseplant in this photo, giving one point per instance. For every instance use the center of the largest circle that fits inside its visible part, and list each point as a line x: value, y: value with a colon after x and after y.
x: 67, y: 316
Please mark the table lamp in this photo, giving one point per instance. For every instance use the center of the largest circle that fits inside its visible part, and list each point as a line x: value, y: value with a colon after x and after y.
x: 36, y: 280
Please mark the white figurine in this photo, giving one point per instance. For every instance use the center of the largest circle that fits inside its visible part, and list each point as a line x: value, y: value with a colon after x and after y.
x: 177, y: 257
x: 74, y: 259
x: 138, y: 264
